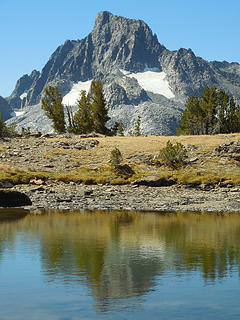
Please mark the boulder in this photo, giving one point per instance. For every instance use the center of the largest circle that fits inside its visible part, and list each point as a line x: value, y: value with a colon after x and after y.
x: 153, y: 181
x: 13, y: 199
x: 124, y: 169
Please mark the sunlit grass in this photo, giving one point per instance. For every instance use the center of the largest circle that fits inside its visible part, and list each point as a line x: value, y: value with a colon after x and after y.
x: 94, y: 166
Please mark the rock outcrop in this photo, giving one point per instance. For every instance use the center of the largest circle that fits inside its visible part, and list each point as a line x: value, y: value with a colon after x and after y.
x: 5, y: 109
x: 18, y: 98
x: 13, y: 199
x: 230, y: 150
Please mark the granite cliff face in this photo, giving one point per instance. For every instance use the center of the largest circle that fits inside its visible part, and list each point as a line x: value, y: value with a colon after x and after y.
x: 188, y: 74
x: 18, y: 98
x: 141, y: 77
x: 5, y: 109
x: 114, y: 42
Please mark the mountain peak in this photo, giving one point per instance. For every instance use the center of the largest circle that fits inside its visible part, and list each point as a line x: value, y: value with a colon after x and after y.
x: 106, y: 17
x: 103, y: 17
x: 124, y: 43
x: 137, y: 71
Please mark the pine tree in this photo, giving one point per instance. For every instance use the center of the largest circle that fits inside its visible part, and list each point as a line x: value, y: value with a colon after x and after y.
x: 233, y: 117
x: 212, y: 113
x: 53, y: 107
x: 222, y: 114
x: 120, y: 129
x: 82, y: 120
x: 192, y: 118
x: 2, y: 127
x: 114, y: 129
x: 70, y: 118
x: 99, y: 108
x: 208, y: 105
x: 137, y: 127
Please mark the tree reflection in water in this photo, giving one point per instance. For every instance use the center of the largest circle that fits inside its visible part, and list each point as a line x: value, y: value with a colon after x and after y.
x: 120, y: 254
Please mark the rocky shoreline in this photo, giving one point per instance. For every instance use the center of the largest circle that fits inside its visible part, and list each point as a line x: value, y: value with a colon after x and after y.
x: 131, y: 197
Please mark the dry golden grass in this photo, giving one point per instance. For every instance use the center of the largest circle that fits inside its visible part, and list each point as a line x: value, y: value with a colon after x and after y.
x: 154, y: 143
x: 132, y: 147
x: 94, y: 163
x: 4, y: 165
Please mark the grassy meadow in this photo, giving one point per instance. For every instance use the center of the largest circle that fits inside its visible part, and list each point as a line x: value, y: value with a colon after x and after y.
x: 92, y: 166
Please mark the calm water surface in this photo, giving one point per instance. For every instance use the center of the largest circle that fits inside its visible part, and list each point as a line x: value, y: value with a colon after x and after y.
x: 100, y: 265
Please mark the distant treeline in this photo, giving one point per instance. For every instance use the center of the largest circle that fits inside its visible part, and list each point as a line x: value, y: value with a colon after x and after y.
x: 214, y: 112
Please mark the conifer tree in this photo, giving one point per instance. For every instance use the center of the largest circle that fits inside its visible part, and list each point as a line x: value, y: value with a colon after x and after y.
x: 233, y: 117
x: 53, y: 107
x: 208, y: 104
x: 99, y: 108
x: 70, y: 118
x: 222, y: 121
x: 192, y: 118
x: 120, y: 129
x: 212, y: 113
x: 114, y: 129
x: 2, y: 127
x: 82, y: 120
x: 137, y: 127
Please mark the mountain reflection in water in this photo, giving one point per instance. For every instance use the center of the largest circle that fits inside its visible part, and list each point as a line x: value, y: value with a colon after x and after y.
x: 120, y: 255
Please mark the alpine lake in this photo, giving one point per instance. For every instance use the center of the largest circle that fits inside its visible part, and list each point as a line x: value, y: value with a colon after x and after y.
x: 57, y: 265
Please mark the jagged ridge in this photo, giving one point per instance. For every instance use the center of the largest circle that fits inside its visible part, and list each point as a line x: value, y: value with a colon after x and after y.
x: 117, y: 44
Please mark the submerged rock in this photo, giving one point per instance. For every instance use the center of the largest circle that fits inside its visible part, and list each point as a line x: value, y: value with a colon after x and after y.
x: 13, y: 199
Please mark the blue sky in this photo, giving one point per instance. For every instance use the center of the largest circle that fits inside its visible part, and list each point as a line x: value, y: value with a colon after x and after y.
x: 32, y: 29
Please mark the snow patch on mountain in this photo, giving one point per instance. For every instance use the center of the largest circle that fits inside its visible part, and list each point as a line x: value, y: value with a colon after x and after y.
x: 24, y: 95
x: 152, y: 80
x: 74, y: 94
x: 17, y: 113
x: 32, y: 117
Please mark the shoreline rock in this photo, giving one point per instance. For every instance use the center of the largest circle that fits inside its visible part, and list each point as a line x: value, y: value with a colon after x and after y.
x: 13, y: 199
x: 133, y: 197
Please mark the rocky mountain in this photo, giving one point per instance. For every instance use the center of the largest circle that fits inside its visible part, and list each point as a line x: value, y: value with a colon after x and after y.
x: 18, y: 98
x: 5, y: 109
x: 141, y: 77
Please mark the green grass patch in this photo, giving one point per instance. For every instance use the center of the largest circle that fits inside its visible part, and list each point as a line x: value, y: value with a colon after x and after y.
x: 21, y: 176
x: 106, y: 175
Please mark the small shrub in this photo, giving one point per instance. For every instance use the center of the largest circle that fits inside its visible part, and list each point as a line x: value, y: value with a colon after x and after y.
x: 116, y: 157
x: 6, y: 131
x: 173, y: 155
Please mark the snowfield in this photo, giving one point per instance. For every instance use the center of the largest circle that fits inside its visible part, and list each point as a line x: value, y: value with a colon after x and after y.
x: 17, y: 113
x: 153, y: 81
x: 72, y: 96
x: 24, y: 95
